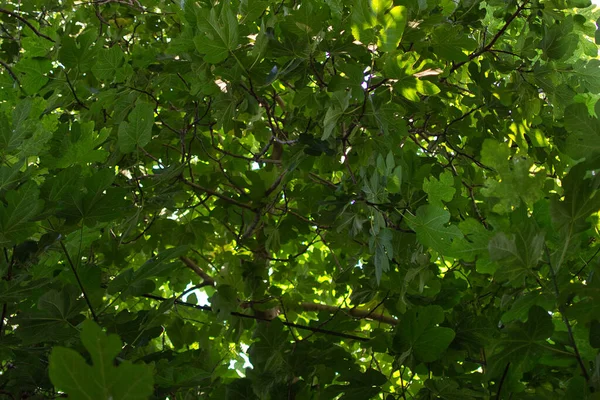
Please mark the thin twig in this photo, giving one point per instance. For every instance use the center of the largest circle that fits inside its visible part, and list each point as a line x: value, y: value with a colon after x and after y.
x: 564, y: 317
x: 586, y: 263
x: 73, y: 91
x: 33, y: 28
x: 219, y: 195
x: 502, y: 379
x: 11, y: 73
x: 8, y: 277
x: 497, y: 36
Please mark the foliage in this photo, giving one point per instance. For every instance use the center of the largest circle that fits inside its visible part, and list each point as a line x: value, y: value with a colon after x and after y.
x: 260, y: 199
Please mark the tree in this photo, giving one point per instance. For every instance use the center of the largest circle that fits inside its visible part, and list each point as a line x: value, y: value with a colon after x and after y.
x: 300, y: 199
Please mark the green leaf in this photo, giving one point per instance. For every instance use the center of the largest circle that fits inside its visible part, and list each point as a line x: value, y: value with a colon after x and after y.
x: 266, y: 353
x: 10, y: 176
x: 520, y: 308
x: 440, y: 190
x: 583, y: 141
x: 138, y: 131
x: 361, y: 385
x: 587, y: 308
x: 87, y: 147
x: 339, y: 106
x: 517, y: 254
x: 101, y: 380
x: 35, y: 46
x: 219, y: 34
x: 421, y: 334
x: 394, y: 22
x: 364, y: 20
x: 474, y: 246
x: 579, y: 3
x: 515, y: 183
x: 558, y: 43
x: 451, y: 44
x: 139, y: 281
x: 108, y: 63
x: 589, y: 73
x: 522, y: 344
x: 33, y: 73
x: 595, y: 334
x: 61, y: 305
x: 158, y: 265
x: 16, y: 216
x: 411, y: 188
x: 381, y: 245
x: 429, y: 223
x: 449, y: 389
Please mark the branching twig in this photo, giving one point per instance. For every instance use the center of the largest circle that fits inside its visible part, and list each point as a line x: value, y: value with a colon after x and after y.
x: 23, y: 20
x: 492, y: 42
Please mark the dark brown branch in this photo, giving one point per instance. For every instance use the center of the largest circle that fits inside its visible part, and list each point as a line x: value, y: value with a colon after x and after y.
x: 74, y: 93
x: 23, y: 20
x: 492, y: 42
x: 11, y: 73
x: 325, y: 182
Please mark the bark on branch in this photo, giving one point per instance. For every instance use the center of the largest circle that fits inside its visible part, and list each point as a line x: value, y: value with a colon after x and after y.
x: 355, y: 312
x: 198, y: 271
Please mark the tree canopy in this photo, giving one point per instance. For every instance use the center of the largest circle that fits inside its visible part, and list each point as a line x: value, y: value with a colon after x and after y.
x: 307, y: 199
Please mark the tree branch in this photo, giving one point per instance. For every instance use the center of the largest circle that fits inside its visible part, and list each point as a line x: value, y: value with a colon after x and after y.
x: 237, y: 314
x: 85, y: 295
x: 23, y: 20
x: 564, y: 317
x: 219, y: 195
x: 198, y: 271
x: 11, y: 73
x: 354, y: 312
x: 494, y: 39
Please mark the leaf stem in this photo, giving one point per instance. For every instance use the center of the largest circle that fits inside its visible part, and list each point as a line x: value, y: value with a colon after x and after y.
x: 564, y: 317
x: 85, y: 295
